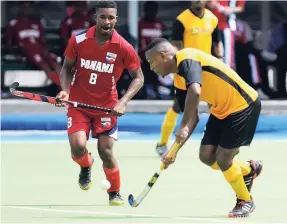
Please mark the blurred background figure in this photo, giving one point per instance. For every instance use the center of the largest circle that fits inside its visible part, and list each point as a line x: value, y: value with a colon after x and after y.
x: 50, y: 24
x: 149, y: 27
x: 226, y: 12
x: 27, y: 32
x: 77, y: 22
x: 252, y: 62
x: 278, y: 44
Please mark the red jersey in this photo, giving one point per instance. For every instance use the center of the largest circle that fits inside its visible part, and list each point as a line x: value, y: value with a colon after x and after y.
x: 73, y: 25
x: 222, y: 18
x: 25, y: 31
x: 98, y: 68
x: 147, y: 31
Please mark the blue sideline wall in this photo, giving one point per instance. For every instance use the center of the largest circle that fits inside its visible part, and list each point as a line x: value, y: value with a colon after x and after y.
x: 133, y: 122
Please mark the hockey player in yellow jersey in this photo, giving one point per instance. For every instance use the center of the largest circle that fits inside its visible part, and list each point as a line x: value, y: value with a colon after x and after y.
x: 234, y: 112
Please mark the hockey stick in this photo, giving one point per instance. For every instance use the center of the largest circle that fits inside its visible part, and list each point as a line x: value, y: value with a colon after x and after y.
x: 134, y: 202
x: 51, y: 100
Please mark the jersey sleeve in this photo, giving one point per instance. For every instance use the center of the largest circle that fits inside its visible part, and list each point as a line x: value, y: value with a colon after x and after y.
x: 70, y: 51
x: 130, y: 57
x: 190, y: 70
x: 177, y: 31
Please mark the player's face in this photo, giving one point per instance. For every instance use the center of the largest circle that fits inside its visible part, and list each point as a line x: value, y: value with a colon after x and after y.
x: 159, y: 63
x: 106, y: 20
x: 198, y: 4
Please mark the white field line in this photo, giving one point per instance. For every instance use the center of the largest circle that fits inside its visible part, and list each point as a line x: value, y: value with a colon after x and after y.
x: 213, y: 220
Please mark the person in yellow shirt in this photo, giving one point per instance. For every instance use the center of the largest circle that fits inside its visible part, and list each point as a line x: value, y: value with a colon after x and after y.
x: 195, y: 27
x: 234, y: 112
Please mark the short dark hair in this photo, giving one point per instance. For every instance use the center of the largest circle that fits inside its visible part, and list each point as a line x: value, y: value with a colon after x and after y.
x: 155, y: 42
x: 105, y: 5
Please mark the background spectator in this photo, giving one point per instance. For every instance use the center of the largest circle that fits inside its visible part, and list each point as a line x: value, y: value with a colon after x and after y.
x: 149, y: 27
x: 278, y: 45
x: 27, y: 32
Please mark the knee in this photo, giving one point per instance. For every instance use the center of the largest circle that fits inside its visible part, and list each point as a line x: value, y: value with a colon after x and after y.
x: 106, y: 154
x: 206, y: 158
x: 224, y: 162
x: 78, y: 146
x: 176, y: 107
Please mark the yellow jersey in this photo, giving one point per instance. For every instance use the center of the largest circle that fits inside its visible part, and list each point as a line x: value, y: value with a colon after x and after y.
x: 221, y: 86
x: 196, y: 33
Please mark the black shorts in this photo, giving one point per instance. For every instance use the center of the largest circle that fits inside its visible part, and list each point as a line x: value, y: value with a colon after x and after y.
x: 180, y: 96
x: 235, y: 130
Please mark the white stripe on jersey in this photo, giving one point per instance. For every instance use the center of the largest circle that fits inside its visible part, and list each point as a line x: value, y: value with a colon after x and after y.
x: 80, y: 38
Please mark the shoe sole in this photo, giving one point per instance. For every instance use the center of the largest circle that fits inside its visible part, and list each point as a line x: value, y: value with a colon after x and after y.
x: 87, y: 187
x: 116, y: 203
x: 230, y: 215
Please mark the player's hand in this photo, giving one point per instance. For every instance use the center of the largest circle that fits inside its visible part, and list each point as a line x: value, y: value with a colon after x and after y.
x: 63, y: 95
x: 119, y: 109
x: 168, y: 160
x: 182, y: 134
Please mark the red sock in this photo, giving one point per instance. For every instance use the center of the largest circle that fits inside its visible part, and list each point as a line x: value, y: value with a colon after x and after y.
x: 55, y: 77
x: 113, y: 176
x: 85, y: 160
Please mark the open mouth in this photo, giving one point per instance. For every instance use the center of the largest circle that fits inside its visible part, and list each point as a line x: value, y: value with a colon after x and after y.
x: 106, y: 29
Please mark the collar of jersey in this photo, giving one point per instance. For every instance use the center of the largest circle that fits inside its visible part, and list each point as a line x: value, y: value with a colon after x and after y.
x: 91, y: 35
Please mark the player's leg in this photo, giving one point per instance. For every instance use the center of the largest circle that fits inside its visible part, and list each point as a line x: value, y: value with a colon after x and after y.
x: 167, y: 127
x: 106, y: 129
x: 111, y: 169
x: 232, y: 173
x: 210, y: 141
x: 170, y: 120
x: 208, y: 148
x: 78, y: 131
x: 239, y: 129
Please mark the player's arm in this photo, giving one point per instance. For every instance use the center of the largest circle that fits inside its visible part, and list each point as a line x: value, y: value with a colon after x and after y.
x: 132, y: 64
x: 66, y: 75
x: 191, y: 71
x: 177, y: 34
x: 135, y: 86
x: 217, y: 43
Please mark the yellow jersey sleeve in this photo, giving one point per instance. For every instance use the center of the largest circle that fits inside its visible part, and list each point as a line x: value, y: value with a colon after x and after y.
x: 190, y: 70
